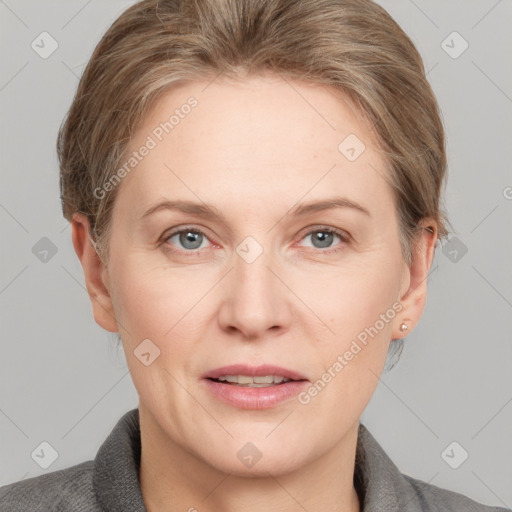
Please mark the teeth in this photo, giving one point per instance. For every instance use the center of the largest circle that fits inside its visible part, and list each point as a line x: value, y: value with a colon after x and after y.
x: 254, y: 382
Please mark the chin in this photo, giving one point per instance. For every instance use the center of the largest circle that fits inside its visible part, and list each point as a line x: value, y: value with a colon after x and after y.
x: 261, y: 469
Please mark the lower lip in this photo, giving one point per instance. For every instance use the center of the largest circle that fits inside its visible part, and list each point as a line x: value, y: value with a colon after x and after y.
x: 255, y: 398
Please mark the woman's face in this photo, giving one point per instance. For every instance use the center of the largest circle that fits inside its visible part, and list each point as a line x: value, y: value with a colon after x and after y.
x: 271, y: 280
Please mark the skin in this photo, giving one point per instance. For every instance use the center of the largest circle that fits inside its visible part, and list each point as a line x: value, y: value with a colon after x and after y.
x: 254, y: 148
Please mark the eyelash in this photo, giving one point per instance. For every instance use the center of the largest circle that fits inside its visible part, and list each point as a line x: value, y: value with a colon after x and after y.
x: 344, y: 237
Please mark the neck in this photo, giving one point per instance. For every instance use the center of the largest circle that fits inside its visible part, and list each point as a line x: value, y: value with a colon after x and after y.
x: 173, y: 479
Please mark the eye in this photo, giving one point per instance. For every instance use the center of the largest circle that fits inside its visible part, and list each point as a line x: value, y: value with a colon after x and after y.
x: 188, y: 239
x: 323, y: 237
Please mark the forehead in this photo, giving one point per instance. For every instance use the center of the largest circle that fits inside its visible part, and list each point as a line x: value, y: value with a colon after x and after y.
x: 261, y: 139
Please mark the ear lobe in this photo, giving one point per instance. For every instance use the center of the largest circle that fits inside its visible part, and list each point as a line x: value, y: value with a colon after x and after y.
x: 414, y: 298
x: 95, y: 273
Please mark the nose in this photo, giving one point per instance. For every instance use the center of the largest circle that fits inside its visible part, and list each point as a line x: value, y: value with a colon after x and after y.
x: 255, y: 301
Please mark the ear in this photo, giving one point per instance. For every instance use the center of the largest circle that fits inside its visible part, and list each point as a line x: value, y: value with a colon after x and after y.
x: 95, y: 273
x: 413, y: 294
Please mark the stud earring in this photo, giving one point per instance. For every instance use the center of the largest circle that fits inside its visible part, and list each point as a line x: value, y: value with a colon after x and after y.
x: 404, y: 327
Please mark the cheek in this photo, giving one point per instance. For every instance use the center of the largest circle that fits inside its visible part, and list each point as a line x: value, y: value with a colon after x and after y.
x: 152, y: 305
x: 349, y: 298
x: 152, y: 301
x: 359, y: 306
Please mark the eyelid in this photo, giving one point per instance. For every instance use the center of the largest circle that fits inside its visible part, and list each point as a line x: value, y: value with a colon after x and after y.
x: 323, y: 227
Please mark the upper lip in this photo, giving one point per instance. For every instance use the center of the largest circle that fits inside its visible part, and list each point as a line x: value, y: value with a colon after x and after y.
x: 253, y: 371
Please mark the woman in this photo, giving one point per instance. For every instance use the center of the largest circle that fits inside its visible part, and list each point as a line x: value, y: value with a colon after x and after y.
x: 254, y: 191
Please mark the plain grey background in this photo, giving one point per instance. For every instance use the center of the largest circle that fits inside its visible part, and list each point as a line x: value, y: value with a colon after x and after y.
x: 63, y: 382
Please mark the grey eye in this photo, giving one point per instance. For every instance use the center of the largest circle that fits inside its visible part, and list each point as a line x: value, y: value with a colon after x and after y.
x: 322, y: 239
x: 188, y: 239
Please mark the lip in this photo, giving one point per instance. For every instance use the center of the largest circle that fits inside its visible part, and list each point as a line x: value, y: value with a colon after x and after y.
x: 254, y: 398
x: 253, y: 371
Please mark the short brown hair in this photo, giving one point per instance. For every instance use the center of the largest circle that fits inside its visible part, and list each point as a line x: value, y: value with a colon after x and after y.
x: 352, y: 45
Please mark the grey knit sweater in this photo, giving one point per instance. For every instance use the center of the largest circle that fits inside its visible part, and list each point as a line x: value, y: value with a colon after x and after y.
x: 109, y: 483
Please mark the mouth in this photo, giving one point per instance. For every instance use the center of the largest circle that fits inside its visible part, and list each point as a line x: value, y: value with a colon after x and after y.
x: 243, y: 375
x: 256, y: 387
x: 263, y: 381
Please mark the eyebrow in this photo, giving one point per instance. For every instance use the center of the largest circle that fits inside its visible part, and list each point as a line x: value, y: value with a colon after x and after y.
x: 209, y: 211
x: 328, y: 204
